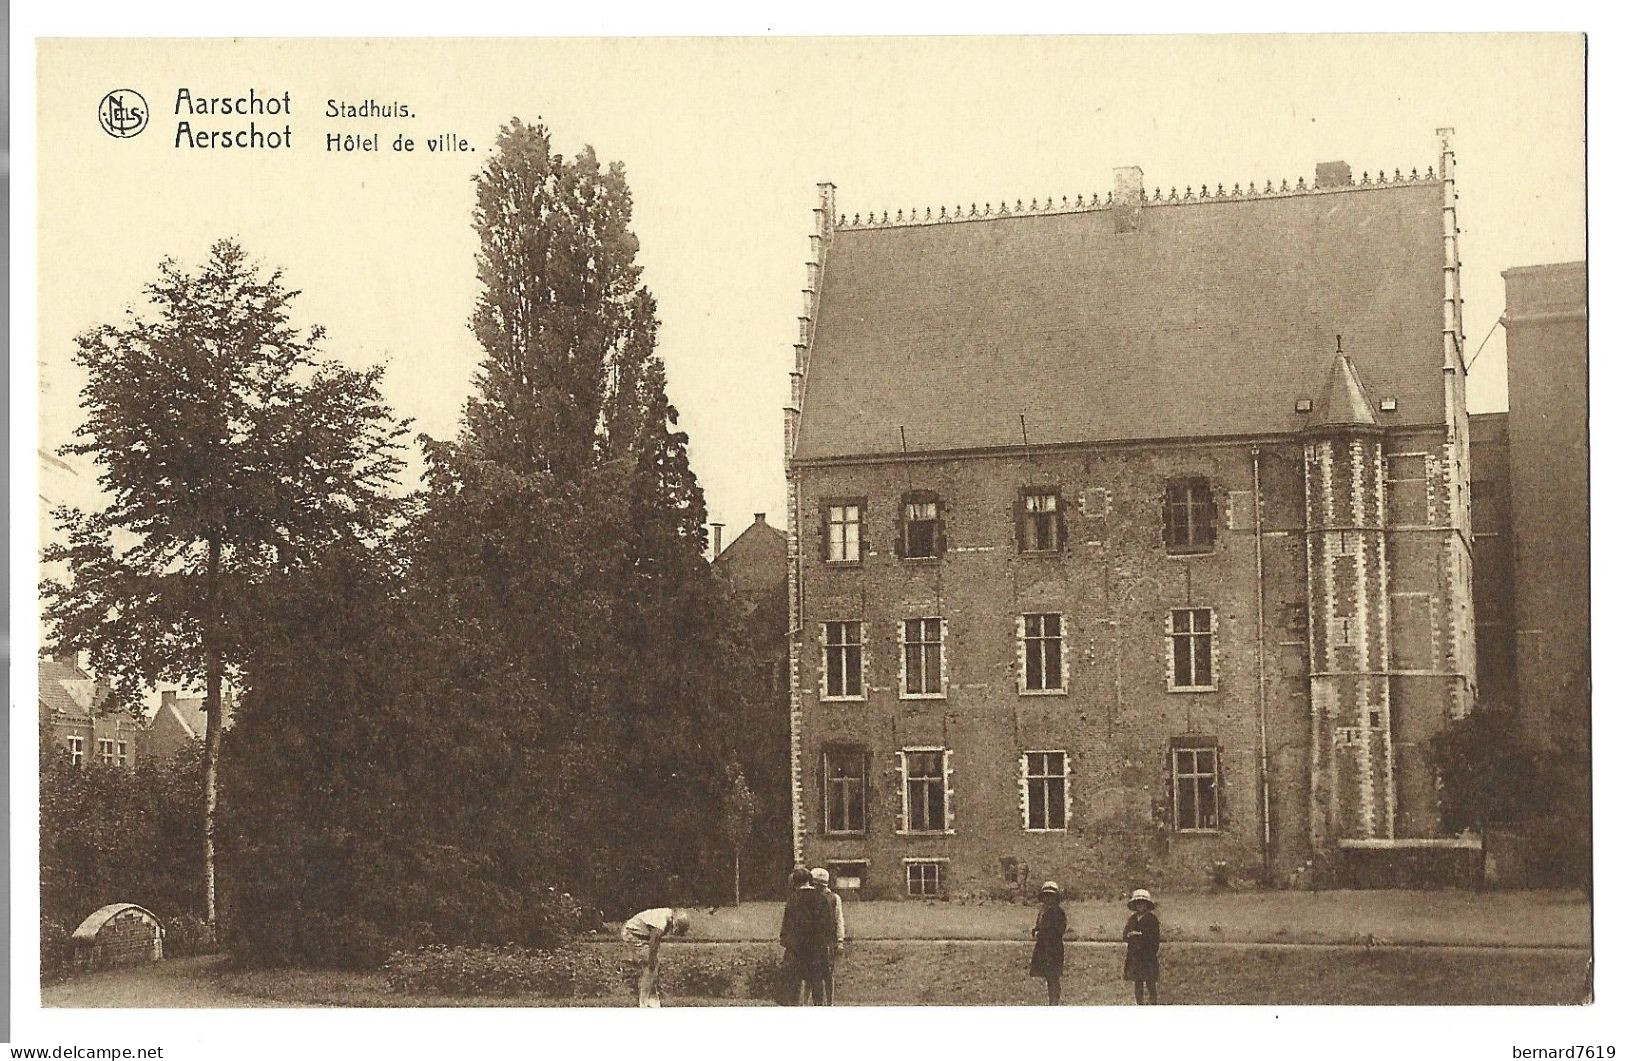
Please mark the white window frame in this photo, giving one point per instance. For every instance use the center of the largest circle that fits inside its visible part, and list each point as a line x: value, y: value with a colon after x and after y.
x: 123, y: 753
x: 104, y: 750
x: 863, y: 788
x: 851, y: 538
x: 76, y: 751
x: 946, y: 780
x: 824, y: 647
x: 1022, y: 642
x: 1027, y: 777
x: 906, y: 647
x: 940, y: 865
x: 1195, y: 774
x: 1175, y: 636
x: 1095, y: 502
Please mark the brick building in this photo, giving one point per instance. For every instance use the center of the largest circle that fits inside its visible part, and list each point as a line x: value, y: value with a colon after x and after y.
x: 73, y: 710
x: 1128, y: 538
x: 753, y: 568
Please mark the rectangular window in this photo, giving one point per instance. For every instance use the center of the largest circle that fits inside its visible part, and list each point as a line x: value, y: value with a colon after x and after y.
x: 925, y: 791
x: 843, y: 533
x: 1095, y: 502
x: 926, y: 879
x: 1196, y: 789
x: 104, y: 750
x: 843, y: 661
x: 845, y: 790
x: 1041, y: 652
x: 922, y: 657
x: 1046, y: 790
x: 848, y: 876
x: 1192, y: 647
x: 123, y: 753
x: 922, y: 527
x: 1189, y: 516
x: 76, y: 750
x: 1039, y: 530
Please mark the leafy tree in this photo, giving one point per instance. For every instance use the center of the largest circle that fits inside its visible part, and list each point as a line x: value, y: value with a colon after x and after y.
x: 230, y: 454
x: 739, y: 817
x: 562, y: 543
x: 119, y: 834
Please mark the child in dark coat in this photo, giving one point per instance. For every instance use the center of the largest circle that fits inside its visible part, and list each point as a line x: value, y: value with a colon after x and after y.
x: 1049, y: 954
x: 1143, y: 934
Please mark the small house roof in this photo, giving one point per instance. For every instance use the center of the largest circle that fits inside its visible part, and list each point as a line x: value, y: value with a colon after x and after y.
x: 92, y: 925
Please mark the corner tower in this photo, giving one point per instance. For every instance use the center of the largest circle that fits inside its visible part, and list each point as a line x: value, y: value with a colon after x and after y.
x: 1351, y: 746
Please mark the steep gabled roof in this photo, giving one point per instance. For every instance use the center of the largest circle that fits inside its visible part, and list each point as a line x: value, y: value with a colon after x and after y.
x: 1211, y: 318
x: 65, y: 689
x: 1343, y: 401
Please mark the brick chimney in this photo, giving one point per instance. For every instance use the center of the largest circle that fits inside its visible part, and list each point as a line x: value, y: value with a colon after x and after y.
x: 1128, y: 190
x: 761, y: 517
x: 1333, y: 175
x: 716, y: 539
x: 166, y: 698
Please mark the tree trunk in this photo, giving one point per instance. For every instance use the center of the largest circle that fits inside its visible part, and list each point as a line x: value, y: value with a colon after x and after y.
x: 211, y: 733
x: 736, y: 876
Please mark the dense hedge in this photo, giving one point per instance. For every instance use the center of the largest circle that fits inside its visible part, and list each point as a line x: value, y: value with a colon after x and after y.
x: 584, y: 970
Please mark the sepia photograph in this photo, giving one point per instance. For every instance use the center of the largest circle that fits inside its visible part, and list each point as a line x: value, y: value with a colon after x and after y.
x: 786, y: 521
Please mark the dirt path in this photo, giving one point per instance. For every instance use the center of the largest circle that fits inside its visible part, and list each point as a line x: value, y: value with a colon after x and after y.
x: 178, y: 983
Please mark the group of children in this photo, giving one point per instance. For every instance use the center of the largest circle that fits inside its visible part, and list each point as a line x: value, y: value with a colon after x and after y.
x: 1143, y: 934
x: 813, y: 932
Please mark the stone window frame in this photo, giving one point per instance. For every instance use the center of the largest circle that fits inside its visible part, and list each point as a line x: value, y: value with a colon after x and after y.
x: 862, y: 753
x: 1201, y: 523
x: 939, y: 536
x: 1022, y: 637
x: 76, y: 751
x: 1172, y: 636
x: 903, y: 802
x: 827, y: 524
x: 939, y: 866
x: 835, y: 875
x: 824, y: 647
x: 1027, y: 519
x: 1101, y: 511
x: 105, y: 750
x: 1195, y: 747
x: 1065, y: 777
x: 123, y: 755
x: 903, y: 646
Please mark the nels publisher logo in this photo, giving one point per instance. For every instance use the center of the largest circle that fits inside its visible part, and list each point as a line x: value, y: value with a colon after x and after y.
x: 123, y: 113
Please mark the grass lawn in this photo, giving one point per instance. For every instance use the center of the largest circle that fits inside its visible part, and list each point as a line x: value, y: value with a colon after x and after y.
x: 1531, y: 919
x: 976, y: 973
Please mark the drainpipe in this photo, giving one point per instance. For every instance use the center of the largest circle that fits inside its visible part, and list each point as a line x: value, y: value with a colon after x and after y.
x: 1263, y: 725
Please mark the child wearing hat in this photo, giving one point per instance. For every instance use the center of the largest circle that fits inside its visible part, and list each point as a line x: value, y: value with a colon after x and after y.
x: 1049, y: 954
x: 1143, y: 934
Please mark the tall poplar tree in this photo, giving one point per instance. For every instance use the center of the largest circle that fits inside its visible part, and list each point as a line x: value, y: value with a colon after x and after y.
x: 563, y: 537
x: 230, y: 453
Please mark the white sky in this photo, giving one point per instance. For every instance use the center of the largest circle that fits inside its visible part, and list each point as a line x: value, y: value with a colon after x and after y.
x: 723, y: 141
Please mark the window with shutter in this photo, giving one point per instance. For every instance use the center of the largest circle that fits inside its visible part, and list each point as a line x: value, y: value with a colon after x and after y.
x: 920, y: 531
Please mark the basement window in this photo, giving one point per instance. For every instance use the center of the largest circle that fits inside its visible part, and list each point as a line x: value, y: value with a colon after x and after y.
x: 927, y: 878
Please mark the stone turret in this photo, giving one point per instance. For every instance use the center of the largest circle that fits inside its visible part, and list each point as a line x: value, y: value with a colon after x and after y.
x: 1352, y: 778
